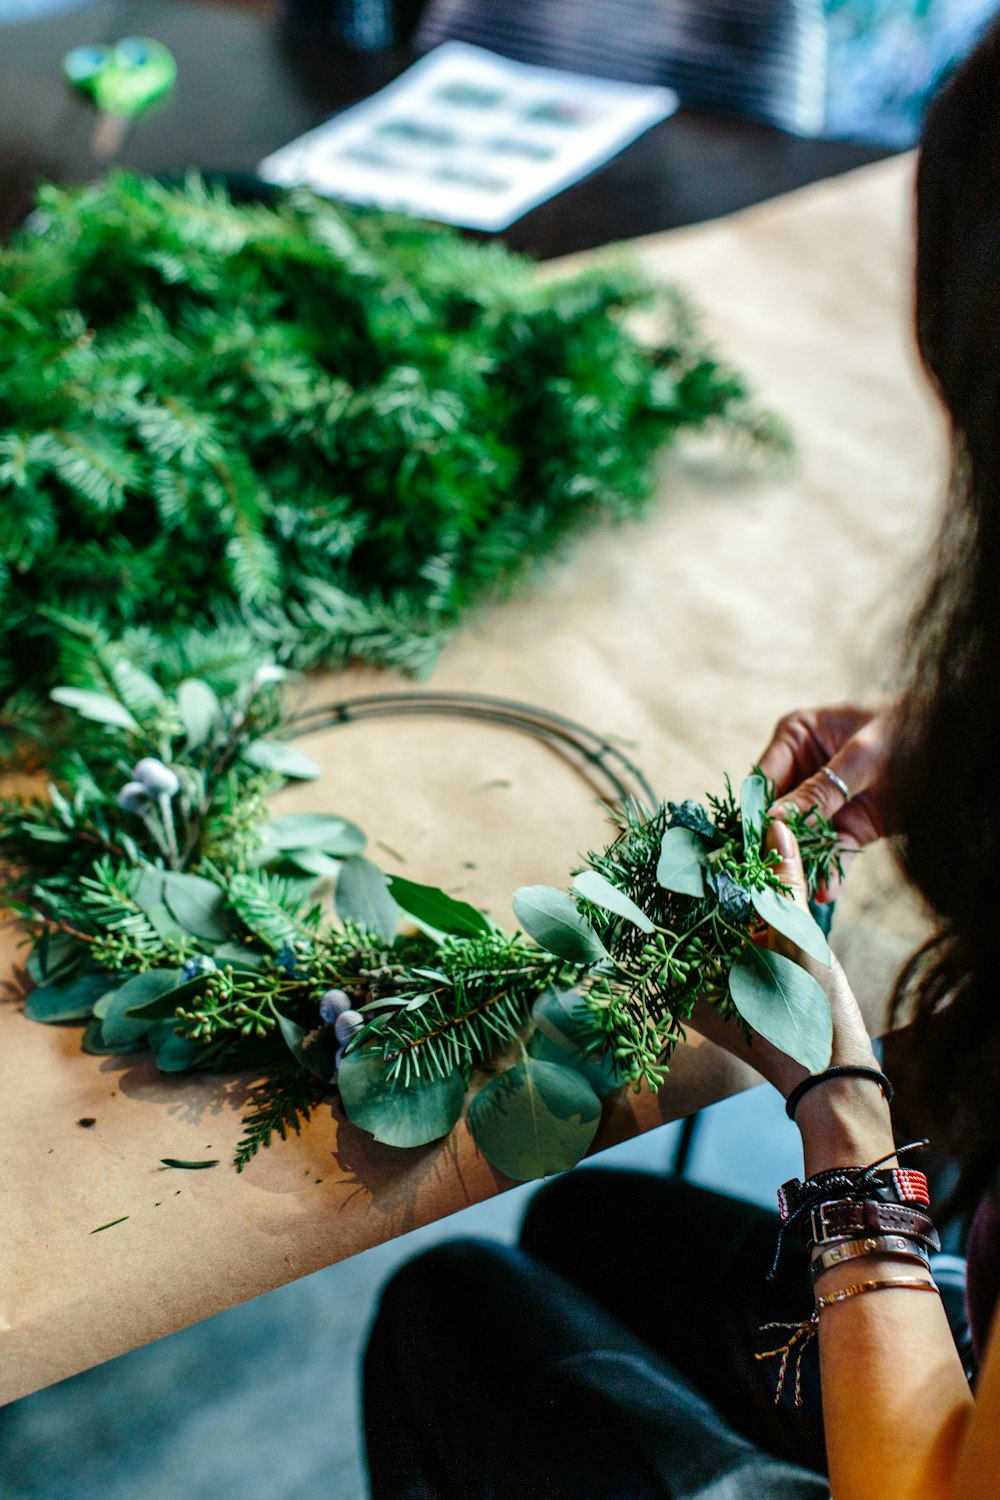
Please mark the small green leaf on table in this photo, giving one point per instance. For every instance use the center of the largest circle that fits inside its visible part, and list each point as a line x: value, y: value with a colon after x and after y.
x: 398, y: 1114
x: 534, y: 1119
x: 110, y: 1224
x: 787, y: 1006
x: 551, y: 918
x: 681, y: 865
x: 188, y: 1166
x: 363, y: 897
x: 598, y: 889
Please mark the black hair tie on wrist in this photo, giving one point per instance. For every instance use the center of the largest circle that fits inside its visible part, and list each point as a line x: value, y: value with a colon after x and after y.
x: 839, y: 1070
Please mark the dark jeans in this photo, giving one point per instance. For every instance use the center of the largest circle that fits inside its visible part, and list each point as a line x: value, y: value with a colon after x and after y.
x: 610, y: 1357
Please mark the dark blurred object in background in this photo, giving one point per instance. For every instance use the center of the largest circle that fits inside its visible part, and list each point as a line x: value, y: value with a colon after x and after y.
x: 360, y: 25
x: 762, y: 59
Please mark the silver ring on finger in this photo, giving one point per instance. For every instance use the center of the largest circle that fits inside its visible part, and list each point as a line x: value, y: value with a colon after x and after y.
x: 838, y: 782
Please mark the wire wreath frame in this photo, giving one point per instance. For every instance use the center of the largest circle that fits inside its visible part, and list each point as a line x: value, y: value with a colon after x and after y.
x: 604, y: 766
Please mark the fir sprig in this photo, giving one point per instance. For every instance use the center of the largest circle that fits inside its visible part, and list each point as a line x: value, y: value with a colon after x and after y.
x: 307, y: 430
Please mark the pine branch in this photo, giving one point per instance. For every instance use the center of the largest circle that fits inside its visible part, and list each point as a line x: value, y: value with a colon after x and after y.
x: 282, y: 1102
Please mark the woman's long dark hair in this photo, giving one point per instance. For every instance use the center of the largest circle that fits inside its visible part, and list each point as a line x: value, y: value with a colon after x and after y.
x: 945, y: 763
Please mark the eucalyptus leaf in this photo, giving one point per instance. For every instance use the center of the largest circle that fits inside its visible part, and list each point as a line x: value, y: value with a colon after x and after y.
x: 435, y: 908
x: 565, y: 1018
x: 118, y: 1029
x: 315, y: 862
x: 174, y: 1053
x: 784, y: 1004
x: 188, y: 1166
x: 93, y: 1042
x: 136, y: 687
x: 238, y: 957
x: 753, y: 804
x: 551, y: 918
x: 198, y: 904
x: 146, y: 888
x: 800, y: 927
x: 164, y: 1002
x: 319, y: 1056
x: 165, y: 924
x: 99, y: 707
x: 284, y: 759
x: 681, y: 865
x: 54, y: 956
x: 596, y: 888
x: 566, y: 1023
x: 398, y: 1114
x: 363, y: 897
x: 600, y: 1072
x: 534, y: 1119
x: 199, y: 710
x: 323, y: 831
x: 72, y: 999
x: 103, y: 1004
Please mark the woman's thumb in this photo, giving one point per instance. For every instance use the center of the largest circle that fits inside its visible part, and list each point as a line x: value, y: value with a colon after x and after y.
x: 790, y: 872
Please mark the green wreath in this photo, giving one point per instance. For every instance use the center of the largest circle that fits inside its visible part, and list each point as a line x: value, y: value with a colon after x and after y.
x: 169, y: 910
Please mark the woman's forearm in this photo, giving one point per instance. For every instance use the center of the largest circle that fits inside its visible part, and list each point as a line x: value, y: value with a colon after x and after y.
x: 896, y: 1402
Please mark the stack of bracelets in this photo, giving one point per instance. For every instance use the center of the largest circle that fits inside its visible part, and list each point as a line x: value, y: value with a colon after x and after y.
x: 850, y: 1213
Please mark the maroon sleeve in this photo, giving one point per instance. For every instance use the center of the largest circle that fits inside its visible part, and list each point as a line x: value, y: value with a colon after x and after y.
x: 983, y: 1288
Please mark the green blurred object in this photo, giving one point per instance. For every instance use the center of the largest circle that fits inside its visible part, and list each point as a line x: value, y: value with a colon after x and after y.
x: 125, y: 79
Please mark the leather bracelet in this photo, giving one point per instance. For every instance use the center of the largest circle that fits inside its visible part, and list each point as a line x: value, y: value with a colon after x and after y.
x: 898, y: 1246
x: 839, y: 1070
x: 853, y: 1218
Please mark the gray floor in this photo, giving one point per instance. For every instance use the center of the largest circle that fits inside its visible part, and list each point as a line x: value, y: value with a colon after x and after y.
x: 262, y: 1403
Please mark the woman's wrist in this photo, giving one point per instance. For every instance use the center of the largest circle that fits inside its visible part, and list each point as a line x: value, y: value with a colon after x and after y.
x: 843, y: 1123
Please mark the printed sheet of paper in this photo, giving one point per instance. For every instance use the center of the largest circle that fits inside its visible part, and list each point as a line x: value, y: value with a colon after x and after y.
x: 467, y: 137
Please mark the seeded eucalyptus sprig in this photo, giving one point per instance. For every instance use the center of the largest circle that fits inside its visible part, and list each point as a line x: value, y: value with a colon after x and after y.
x: 169, y: 910
x: 668, y: 915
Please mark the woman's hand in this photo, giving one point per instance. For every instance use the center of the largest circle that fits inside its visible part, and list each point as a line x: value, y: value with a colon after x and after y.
x: 846, y: 1119
x: 851, y: 1042
x: 852, y: 744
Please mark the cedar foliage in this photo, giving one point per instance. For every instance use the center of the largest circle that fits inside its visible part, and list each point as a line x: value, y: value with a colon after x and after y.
x: 314, y: 431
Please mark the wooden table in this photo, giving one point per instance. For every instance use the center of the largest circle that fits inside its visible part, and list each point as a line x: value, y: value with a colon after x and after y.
x: 686, y: 634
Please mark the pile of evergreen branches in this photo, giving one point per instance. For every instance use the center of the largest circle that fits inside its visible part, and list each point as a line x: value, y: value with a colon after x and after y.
x: 296, y: 426
x: 170, y: 911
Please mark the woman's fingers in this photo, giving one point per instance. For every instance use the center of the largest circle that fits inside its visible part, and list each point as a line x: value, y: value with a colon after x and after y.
x: 789, y: 871
x: 850, y: 772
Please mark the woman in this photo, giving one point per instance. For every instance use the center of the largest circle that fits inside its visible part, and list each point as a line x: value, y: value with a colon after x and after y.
x: 614, y: 1355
